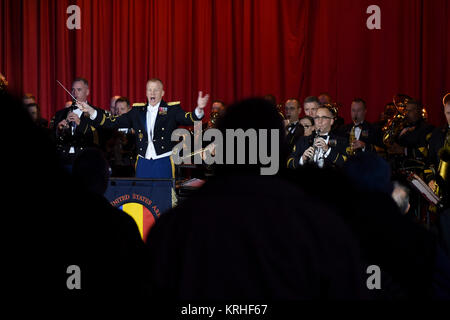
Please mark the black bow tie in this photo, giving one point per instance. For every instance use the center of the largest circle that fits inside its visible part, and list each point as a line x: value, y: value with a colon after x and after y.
x: 359, y: 125
x: 323, y: 136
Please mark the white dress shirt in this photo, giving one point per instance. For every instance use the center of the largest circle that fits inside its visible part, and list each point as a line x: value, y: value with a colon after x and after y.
x: 319, y: 156
x: 358, y: 131
x: 152, y: 113
x: 79, y: 113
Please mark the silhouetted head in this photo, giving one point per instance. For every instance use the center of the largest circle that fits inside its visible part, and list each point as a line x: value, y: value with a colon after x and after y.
x: 252, y: 117
x: 369, y: 172
x: 91, y: 171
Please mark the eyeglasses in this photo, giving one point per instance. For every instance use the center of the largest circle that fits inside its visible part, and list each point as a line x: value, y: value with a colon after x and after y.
x: 322, y: 118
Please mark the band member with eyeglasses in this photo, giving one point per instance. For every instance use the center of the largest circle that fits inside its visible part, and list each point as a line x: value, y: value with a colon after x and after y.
x: 323, y: 148
x: 307, y: 123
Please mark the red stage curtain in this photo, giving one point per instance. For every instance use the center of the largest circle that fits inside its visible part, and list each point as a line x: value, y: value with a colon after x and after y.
x: 231, y: 49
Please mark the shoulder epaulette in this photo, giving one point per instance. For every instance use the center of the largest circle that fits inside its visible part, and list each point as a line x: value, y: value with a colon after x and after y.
x: 139, y: 104
x: 172, y: 103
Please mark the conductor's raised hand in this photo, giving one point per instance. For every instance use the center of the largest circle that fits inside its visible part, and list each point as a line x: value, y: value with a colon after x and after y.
x: 202, y: 100
x: 84, y: 107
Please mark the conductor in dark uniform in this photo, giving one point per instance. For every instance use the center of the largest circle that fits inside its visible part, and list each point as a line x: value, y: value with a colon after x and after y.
x: 153, y: 124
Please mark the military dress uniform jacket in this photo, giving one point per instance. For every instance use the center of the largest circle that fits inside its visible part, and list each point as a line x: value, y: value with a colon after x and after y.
x: 84, y: 134
x: 369, y: 135
x: 296, y: 131
x: 336, y: 157
x: 170, y: 116
x: 416, y: 140
x: 435, y: 144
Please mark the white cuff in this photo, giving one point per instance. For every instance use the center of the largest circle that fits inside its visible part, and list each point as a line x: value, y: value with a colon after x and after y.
x: 199, y: 113
x: 327, y: 153
x: 94, y: 115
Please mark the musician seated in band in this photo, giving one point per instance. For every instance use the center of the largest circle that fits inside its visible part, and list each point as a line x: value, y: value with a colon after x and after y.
x: 310, y: 105
x: 362, y: 135
x: 324, y: 148
x: 271, y: 98
x: 294, y: 130
x: 218, y: 106
x: 3, y: 83
x: 440, y: 137
x: 307, y: 123
x: 217, y: 109
x: 33, y: 108
x: 121, y: 145
x: 439, y: 155
x: 73, y: 131
x: 388, y: 112
x: 153, y: 123
x: 113, y: 109
x: 413, y: 138
x: 105, y: 135
x: 325, y: 99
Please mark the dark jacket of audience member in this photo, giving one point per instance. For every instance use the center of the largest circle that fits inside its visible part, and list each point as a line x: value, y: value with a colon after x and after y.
x: 242, y: 237
x: 404, y: 250
x: 58, y: 223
